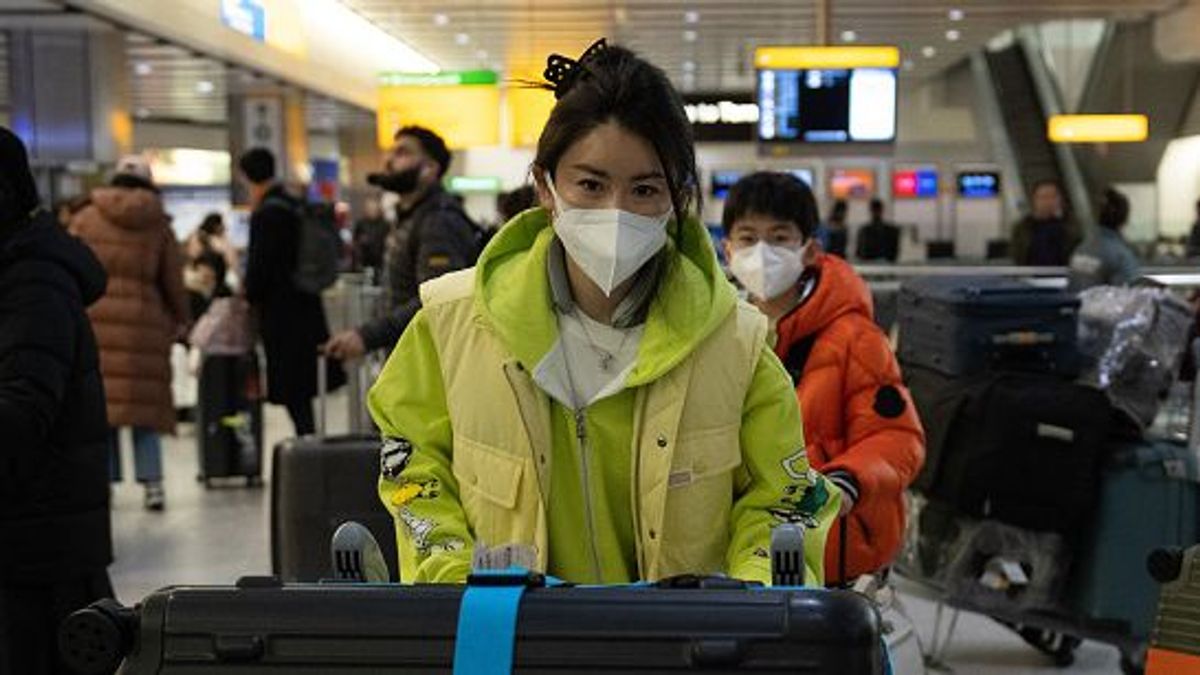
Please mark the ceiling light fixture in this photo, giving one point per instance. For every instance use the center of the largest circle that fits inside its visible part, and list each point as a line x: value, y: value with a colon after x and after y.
x: 691, y: 17
x: 462, y: 39
x: 689, y: 36
x: 849, y: 36
x: 957, y: 15
x: 142, y: 68
x: 441, y: 19
x: 689, y: 66
x: 142, y: 113
x: 953, y: 35
x: 928, y: 52
x: 205, y: 87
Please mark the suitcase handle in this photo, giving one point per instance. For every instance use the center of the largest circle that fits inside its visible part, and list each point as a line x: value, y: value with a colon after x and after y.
x: 322, y: 395
x: 1024, y: 338
x: 706, y: 583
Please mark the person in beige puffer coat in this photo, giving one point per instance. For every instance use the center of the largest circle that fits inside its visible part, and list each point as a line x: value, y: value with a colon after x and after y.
x: 143, y: 310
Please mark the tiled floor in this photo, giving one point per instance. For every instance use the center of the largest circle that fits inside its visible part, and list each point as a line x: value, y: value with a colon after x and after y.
x: 214, y: 536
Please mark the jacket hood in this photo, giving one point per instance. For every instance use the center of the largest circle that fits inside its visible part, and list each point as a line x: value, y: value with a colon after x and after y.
x: 512, y: 293
x: 43, y: 239
x: 839, y: 291
x: 129, y: 208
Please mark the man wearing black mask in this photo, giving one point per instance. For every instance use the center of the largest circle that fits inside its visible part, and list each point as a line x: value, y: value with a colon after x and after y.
x: 432, y: 236
x: 55, y: 541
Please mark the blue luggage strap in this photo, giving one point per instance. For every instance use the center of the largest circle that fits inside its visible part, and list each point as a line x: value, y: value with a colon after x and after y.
x: 487, y: 619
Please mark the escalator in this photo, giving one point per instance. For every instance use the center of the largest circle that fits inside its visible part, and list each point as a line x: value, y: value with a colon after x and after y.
x: 1024, y: 118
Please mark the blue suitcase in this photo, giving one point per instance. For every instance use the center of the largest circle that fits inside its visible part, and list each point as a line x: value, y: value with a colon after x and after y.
x: 968, y: 325
x: 1149, y: 499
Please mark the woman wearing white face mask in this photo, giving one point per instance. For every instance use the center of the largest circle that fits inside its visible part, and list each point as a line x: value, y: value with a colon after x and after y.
x: 591, y: 398
x: 860, y: 425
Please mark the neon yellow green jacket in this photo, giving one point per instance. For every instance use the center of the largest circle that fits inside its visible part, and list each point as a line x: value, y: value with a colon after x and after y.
x: 714, y: 449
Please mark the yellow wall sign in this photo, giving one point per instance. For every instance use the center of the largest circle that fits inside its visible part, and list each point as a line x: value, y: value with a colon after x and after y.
x: 1098, y: 128
x: 528, y: 110
x: 823, y: 58
x: 464, y: 108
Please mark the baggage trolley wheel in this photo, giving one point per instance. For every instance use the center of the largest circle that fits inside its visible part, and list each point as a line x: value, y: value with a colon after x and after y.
x: 1133, y: 661
x: 1058, y: 646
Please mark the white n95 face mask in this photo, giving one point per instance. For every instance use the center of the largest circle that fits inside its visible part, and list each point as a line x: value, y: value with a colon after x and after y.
x: 609, y: 245
x: 767, y: 271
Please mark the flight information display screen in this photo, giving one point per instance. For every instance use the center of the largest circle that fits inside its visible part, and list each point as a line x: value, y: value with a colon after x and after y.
x: 855, y: 105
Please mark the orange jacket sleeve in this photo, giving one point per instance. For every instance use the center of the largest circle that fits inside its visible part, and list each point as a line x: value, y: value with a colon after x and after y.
x: 885, y: 444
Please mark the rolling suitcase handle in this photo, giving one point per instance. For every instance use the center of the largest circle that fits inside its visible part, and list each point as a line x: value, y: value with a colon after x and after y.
x: 322, y: 395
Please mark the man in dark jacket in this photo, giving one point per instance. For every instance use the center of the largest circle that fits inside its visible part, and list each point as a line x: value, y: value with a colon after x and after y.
x: 55, y: 536
x: 432, y: 236
x: 291, y: 321
x: 878, y: 239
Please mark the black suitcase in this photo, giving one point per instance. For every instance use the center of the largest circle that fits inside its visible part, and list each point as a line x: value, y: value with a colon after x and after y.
x: 965, y: 325
x: 229, y: 418
x: 1022, y: 448
x: 261, y: 626
x: 317, y: 484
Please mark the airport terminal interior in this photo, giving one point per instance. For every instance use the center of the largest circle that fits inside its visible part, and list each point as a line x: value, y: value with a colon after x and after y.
x: 1004, y: 194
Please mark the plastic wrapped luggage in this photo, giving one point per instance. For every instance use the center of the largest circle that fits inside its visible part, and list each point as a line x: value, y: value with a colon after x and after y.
x: 1007, y: 569
x: 965, y: 325
x: 1134, y: 339
x: 1149, y: 499
x: 261, y: 626
x: 1021, y: 448
x: 229, y: 418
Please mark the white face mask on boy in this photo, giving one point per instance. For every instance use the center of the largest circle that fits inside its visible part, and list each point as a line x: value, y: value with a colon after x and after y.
x: 609, y: 245
x: 766, y: 270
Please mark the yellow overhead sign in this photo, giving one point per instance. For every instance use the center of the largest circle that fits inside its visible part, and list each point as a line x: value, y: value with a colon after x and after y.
x: 823, y: 58
x: 461, y: 108
x: 1098, y: 128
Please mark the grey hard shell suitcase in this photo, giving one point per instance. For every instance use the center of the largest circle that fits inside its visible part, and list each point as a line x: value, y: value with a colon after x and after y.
x: 265, y: 627
x: 965, y: 325
x: 229, y: 418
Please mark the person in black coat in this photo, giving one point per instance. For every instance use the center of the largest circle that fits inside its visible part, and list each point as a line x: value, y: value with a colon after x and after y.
x: 291, y: 322
x: 878, y: 239
x: 55, y: 536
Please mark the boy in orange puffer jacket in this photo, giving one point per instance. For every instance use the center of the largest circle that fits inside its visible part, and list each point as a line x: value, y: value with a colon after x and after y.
x: 860, y: 425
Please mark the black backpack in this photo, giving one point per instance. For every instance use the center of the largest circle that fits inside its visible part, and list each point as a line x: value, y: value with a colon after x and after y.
x: 318, y: 255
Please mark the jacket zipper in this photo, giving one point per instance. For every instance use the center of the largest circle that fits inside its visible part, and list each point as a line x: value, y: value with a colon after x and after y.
x: 581, y: 435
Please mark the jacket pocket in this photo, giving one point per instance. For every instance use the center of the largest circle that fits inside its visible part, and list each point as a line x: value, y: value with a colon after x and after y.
x: 700, y: 493
x: 490, y: 490
x: 493, y: 474
x: 706, y: 453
